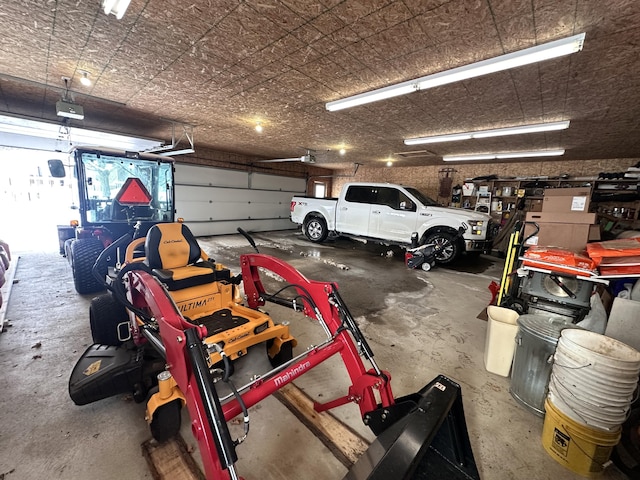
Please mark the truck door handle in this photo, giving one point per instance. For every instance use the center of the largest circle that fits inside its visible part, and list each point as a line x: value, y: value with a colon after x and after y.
x: 344, y: 208
x: 376, y: 211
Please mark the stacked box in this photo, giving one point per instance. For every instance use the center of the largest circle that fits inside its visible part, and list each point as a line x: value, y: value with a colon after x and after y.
x: 564, y: 220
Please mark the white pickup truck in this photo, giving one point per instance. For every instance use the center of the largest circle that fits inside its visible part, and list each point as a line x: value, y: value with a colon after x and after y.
x: 394, y: 215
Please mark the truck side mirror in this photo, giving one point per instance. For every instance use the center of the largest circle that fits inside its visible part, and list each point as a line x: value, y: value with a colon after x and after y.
x: 56, y: 168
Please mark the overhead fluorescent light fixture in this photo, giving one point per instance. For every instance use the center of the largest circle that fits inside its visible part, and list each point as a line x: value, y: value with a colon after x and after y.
x: 177, y: 152
x: 69, y: 110
x: 539, y: 53
x: 115, y: 7
x: 504, y: 155
x: 496, y: 132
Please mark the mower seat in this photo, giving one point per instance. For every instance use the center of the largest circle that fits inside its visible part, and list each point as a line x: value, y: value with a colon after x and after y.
x: 174, y: 256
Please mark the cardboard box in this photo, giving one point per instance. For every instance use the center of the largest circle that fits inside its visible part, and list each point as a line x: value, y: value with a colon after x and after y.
x: 533, y: 205
x: 572, y: 236
x: 566, y: 200
x: 566, y: 230
x: 560, y: 217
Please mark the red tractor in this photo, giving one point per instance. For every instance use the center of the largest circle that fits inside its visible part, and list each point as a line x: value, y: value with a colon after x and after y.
x: 186, y: 327
x: 117, y: 192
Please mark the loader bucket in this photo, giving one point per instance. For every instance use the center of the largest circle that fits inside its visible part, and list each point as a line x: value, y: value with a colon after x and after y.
x: 427, y: 440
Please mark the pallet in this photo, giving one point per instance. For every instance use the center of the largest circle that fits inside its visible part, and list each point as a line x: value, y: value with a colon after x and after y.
x: 172, y: 460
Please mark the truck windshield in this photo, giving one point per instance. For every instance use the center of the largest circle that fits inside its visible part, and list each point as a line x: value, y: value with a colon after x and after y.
x: 105, y: 176
x: 426, y: 201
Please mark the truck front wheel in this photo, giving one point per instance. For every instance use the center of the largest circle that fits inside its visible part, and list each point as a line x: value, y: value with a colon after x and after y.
x: 447, y: 248
x: 315, y: 229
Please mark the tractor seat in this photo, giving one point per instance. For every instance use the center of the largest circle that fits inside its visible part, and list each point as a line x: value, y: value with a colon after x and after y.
x: 174, y: 256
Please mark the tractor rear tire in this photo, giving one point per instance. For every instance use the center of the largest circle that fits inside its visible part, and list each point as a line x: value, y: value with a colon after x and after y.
x: 166, y: 421
x: 105, y: 314
x: 84, y: 252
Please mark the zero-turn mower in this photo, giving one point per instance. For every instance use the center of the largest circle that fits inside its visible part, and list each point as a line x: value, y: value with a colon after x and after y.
x: 179, y: 324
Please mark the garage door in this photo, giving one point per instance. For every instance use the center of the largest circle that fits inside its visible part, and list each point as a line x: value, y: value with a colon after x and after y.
x: 215, y: 201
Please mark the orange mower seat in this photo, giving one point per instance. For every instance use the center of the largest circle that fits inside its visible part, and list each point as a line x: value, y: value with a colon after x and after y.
x: 174, y: 256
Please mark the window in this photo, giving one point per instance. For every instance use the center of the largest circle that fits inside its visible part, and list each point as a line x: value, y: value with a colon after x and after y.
x: 319, y: 189
x: 361, y: 194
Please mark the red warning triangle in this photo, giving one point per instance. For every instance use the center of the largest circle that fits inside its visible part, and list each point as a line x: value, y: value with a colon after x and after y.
x: 133, y: 192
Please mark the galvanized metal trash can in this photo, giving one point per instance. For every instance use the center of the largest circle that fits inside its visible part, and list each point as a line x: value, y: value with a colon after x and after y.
x: 536, y: 343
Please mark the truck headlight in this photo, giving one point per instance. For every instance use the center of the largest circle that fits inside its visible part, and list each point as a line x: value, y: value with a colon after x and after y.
x: 476, y: 226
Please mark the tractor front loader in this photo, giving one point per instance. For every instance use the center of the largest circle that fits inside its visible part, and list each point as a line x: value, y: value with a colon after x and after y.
x: 418, y: 436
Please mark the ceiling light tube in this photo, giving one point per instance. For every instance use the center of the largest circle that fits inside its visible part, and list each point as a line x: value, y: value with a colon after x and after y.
x: 177, y: 152
x: 454, y: 137
x: 460, y: 158
x: 504, y: 155
x: 557, y: 48
x: 539, y: 153
x: 540, y: 127
x: 496, y: 132
x: 116, y: 7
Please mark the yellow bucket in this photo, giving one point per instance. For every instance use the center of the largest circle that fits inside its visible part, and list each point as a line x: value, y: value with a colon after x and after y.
x: 582, y: 449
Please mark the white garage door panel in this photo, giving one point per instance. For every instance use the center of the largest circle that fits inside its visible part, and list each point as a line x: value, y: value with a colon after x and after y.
x: 275, y: 182
x: 197, y: 175
x: 221, y: 228
x: 199, y: 211
x: 216, y: 201
x: 189, y: 193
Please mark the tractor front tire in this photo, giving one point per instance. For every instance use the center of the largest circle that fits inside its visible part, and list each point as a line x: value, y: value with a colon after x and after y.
x: 84, y: 252
x: 105, y: 314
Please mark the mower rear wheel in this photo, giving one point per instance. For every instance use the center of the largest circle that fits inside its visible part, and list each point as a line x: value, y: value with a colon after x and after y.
x: 166, y: 421
x: 105, y: 314
x: 84, y: 252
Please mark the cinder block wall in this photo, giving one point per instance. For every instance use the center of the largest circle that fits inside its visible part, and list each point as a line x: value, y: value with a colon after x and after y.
x: 427, y: 179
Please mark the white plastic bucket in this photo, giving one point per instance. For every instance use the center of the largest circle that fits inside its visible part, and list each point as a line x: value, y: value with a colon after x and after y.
x: 594, y: 378
x: 604, y: 350
x: 500, y: 342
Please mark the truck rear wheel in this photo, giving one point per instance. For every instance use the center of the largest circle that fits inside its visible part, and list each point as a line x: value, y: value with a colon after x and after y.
x: 447, y: 248
x: 315, y: 229
x: 84, y: 253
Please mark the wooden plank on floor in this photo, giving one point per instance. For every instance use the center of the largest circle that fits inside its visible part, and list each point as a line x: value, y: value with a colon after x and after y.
x: 171, y: 460
x: 345, y: 444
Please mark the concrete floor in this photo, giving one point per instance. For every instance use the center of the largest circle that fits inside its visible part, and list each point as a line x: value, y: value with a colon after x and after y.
x: 418, y: 323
